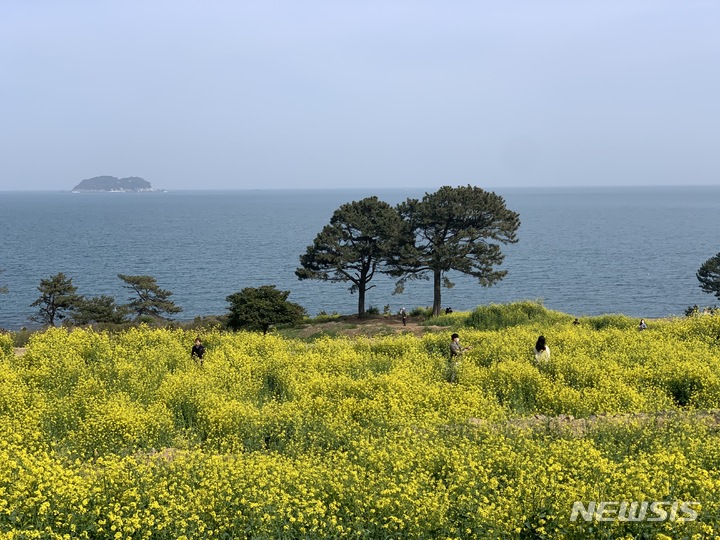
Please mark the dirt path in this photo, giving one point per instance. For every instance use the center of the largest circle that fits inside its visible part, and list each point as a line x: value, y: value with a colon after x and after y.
x: 578, y: 427
x: 368, y: 326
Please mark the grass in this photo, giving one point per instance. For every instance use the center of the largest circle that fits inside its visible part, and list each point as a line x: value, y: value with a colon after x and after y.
x: 498, y: 316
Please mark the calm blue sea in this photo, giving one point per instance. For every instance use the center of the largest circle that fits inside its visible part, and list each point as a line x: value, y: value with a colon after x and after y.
x: 583, y: 251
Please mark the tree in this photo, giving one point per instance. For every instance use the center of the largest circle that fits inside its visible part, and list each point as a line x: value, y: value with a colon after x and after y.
x: 259, y: 308
x: 101, y: 309
x: 57, y: 296
x: 454, y: 229
x: 353, y: 246
x: 149, y: 298
x: 709, y: 276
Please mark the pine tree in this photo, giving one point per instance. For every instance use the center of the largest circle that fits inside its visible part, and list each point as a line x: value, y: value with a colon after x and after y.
x: 709, y: 276
x: 353, y: 247
x: 57, y: 296
x: 100, y: 309
x: 455, y: 229
x: 149, y: 299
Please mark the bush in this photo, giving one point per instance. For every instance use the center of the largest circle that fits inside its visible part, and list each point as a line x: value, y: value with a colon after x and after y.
x: 424, y: 312
x: 21, y: 337
x: 695, y: 310
x: 323, y: 317
x: 149, y: 320
x: 456, y: 318
x: 601, y: 322
x: 205, y: 324
x: 498, y: 316
x: 259, y: 308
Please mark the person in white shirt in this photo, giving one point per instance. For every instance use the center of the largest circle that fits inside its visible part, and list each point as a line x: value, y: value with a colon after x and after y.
x: 542, y: 351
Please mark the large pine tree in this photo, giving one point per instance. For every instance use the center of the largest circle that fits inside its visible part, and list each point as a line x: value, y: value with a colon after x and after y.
x: 457, y: 229
x: 354, y: 246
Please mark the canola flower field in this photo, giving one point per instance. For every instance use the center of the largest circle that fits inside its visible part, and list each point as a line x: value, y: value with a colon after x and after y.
x: 123, y: 436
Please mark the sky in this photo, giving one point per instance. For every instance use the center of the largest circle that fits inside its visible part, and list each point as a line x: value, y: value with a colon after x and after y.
x: 287, y: 94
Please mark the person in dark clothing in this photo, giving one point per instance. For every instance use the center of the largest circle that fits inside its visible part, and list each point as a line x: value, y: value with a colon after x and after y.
x: 198, y: 350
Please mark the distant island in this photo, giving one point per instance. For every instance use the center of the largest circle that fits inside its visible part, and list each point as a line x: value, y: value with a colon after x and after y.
x: 110, y: 183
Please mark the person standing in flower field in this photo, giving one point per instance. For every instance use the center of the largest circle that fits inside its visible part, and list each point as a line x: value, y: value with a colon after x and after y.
x: 456, y: 352
x: 198, y: 350
x: 542, y: 351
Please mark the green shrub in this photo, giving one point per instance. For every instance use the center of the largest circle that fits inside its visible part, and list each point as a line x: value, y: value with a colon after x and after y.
x: 421, y: 312
x: 498, y: 316
x: 323, y: 317
x: 21, y: 337
x: 456, y: 318
x: 601, y: 322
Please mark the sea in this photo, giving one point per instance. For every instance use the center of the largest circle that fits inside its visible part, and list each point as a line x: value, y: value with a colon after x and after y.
x: 583, y: 251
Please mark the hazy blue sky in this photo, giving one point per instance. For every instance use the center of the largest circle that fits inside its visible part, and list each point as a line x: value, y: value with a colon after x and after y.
x: 386, y: 93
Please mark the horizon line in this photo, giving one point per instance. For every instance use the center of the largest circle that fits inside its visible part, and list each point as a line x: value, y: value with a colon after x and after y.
x: 591, y: 186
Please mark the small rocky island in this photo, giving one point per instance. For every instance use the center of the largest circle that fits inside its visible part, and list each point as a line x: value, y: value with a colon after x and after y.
x: 110, y: 183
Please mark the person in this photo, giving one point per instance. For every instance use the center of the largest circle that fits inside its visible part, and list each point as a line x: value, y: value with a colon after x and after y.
x: 456, y: 352
x: 576, y: 322
x: 448, y: 310
x: 403, y: 314
x: 198, y: 350
x: 542, y: 351
x: 642, y: 325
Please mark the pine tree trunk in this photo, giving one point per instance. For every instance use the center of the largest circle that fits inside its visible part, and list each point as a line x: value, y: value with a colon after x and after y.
x: 437, y: 293
x: 361, y: 302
